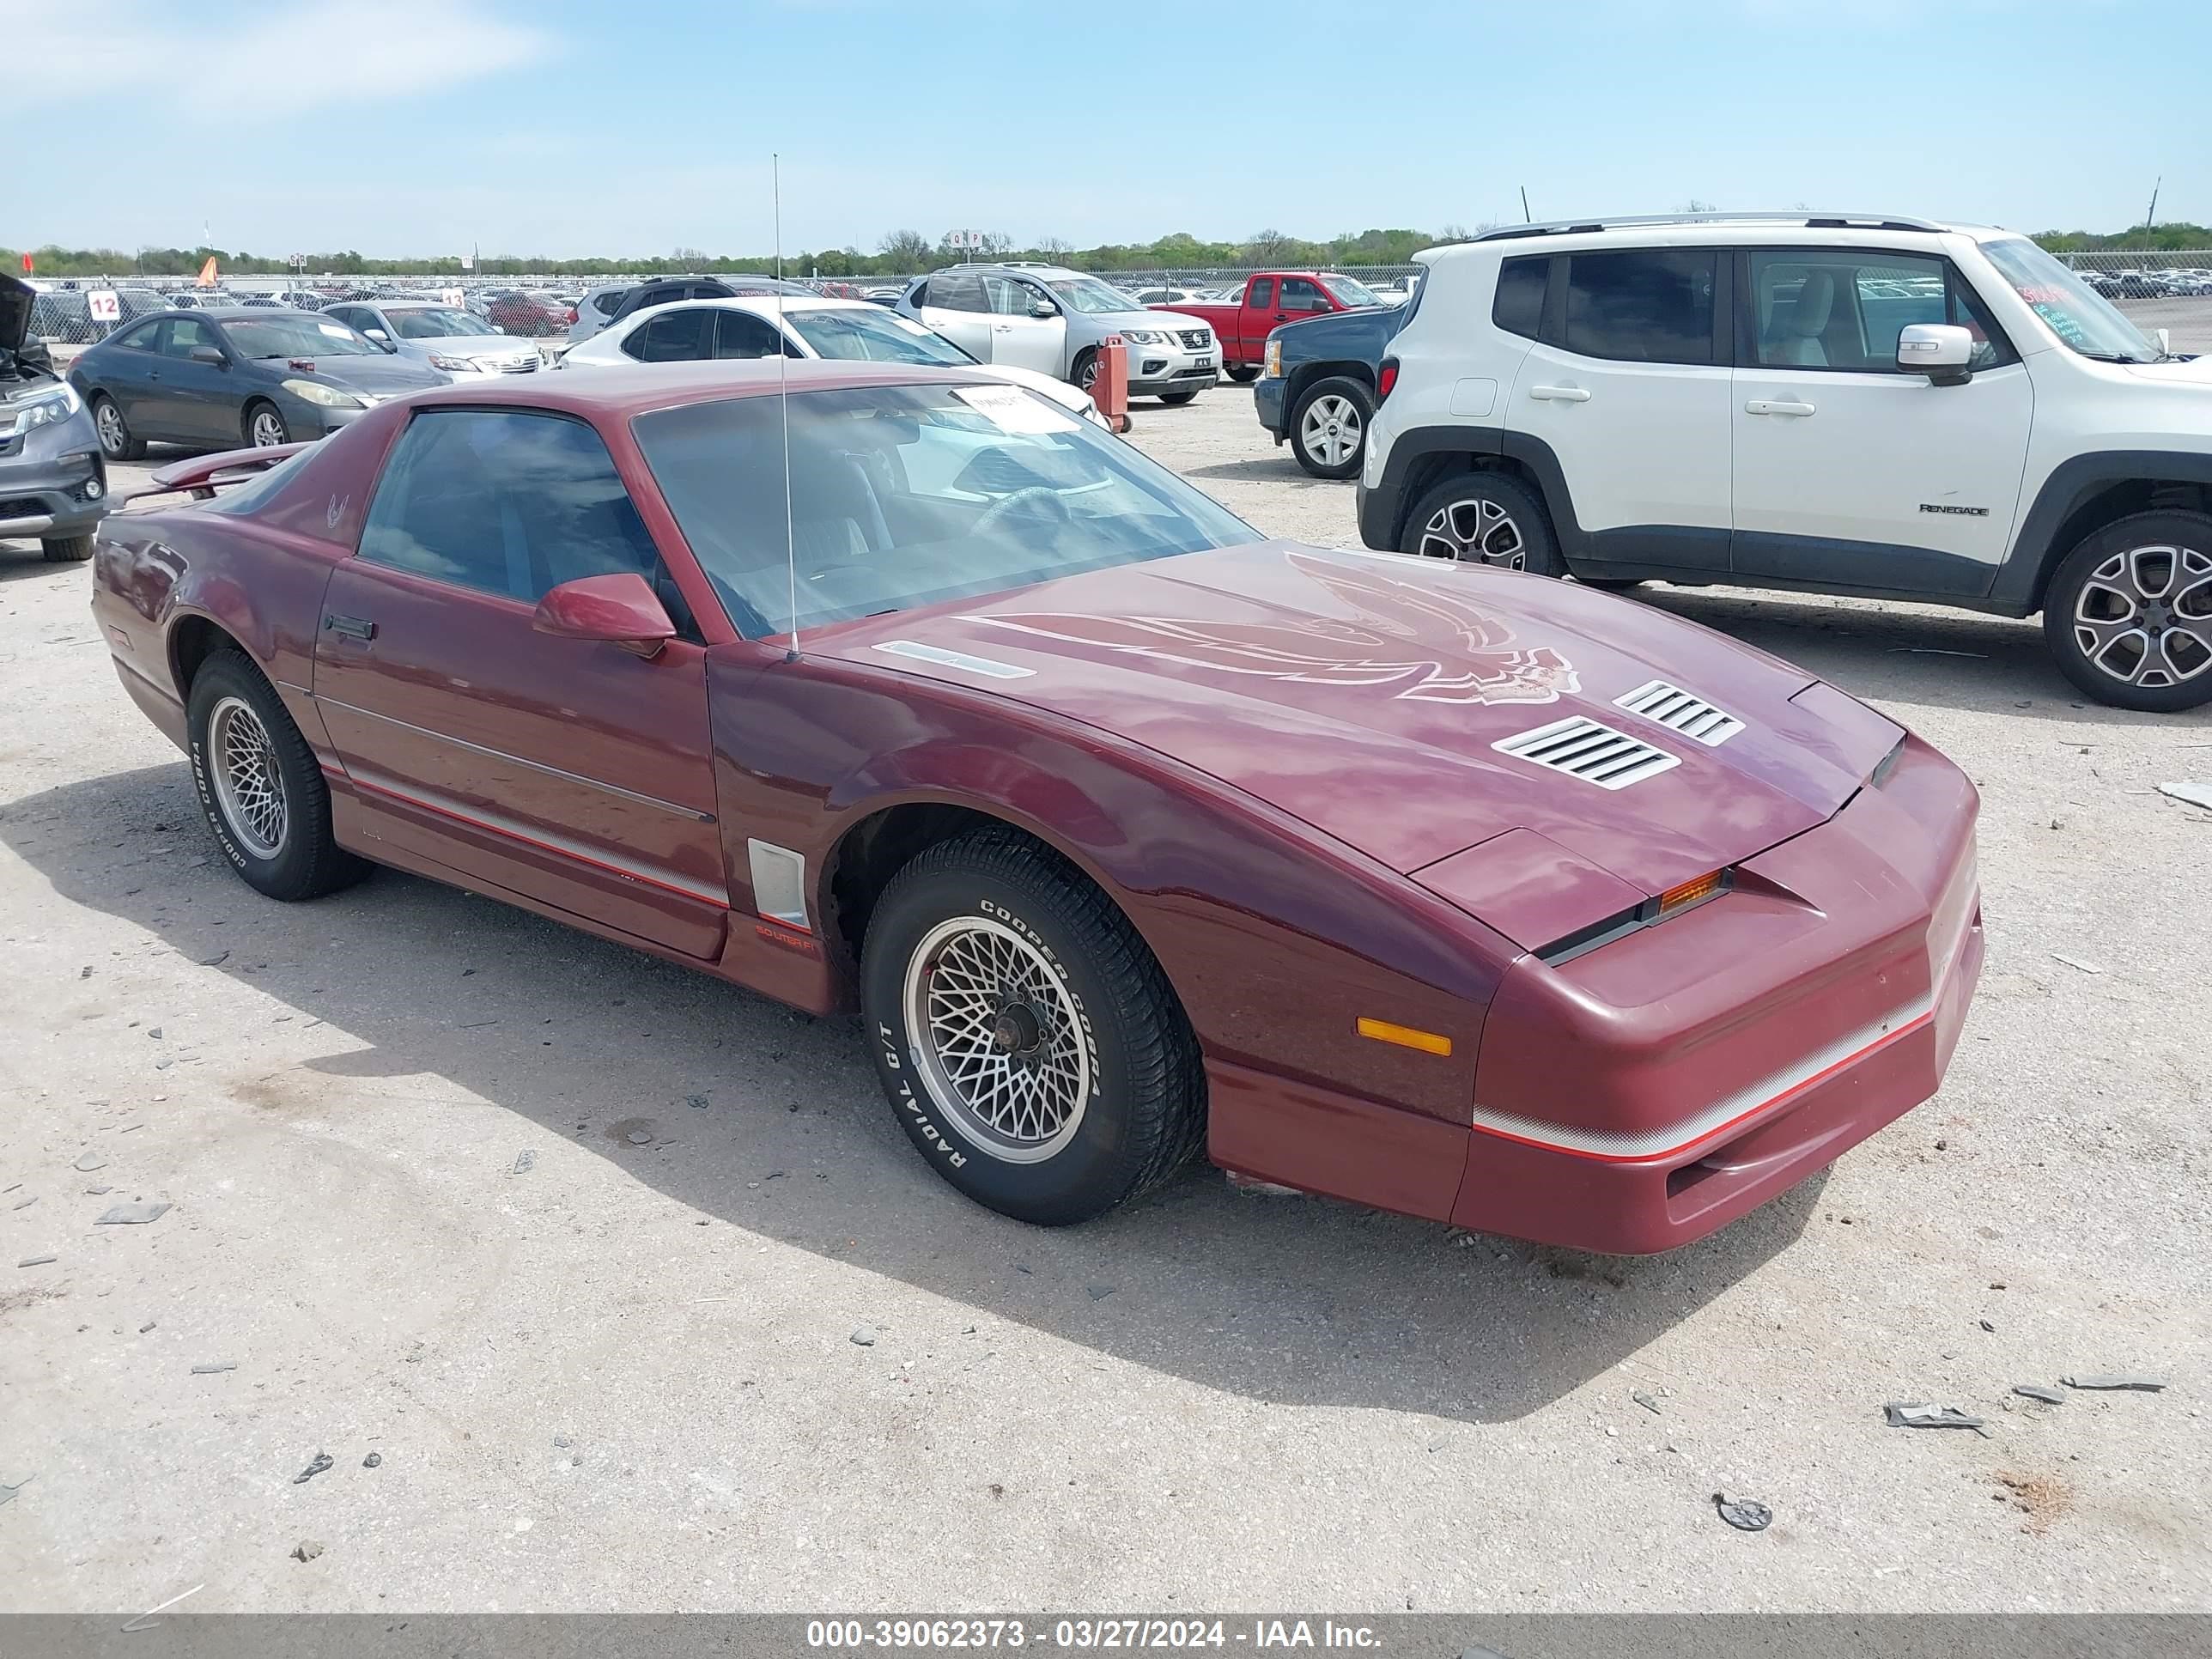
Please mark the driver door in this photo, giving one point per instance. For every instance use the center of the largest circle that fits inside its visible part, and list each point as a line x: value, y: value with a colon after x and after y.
x: 569, y: 773
x: 1018, y: 339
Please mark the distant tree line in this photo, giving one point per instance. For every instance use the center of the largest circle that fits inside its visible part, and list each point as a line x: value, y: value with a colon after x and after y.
x: 904, y: 252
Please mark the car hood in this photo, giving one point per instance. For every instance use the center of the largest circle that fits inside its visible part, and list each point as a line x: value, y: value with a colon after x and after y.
x: 470, y: 345
x: 2193, y: 371
x: 384, y: 376
x: 1362, y: 694
x: 16, y: 297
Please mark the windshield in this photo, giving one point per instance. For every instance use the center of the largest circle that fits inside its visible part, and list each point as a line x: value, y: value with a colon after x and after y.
x: 1089, y: 294
x: 902, y: 496
x: 1349, y: 292
x: 2082, y: 318
x: 876, y: 336
x: 295, y: 337
x: 433, y: 323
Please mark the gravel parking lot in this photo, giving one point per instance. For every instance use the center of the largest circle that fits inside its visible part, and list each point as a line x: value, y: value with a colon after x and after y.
x: 724, y: 1343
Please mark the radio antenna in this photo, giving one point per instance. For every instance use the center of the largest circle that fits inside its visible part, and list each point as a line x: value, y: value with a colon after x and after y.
x: 783, y: 406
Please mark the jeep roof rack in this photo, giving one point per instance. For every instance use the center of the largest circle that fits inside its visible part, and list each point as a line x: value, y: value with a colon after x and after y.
x: 1810, y: 221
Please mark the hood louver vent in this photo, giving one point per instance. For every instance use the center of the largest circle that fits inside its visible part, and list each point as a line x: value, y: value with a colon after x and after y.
x: 1680, y: 711
x: 1586, y: 750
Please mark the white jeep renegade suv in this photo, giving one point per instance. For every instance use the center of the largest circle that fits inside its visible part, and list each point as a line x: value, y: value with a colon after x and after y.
x: 1831, y: 404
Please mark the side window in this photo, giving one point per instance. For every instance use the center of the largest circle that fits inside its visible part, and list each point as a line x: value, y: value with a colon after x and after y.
x: 184, y: 333
x: 958, y: 290
x: 1643, y: 306
x: 673, y: 337
x: 145, y: 337
x: 1519, y: 306
x: 1300, y: 294
x: 741, y: 334
x: 609, y: 302
x: 1007, y: 297
x: 1263, y: 293
x: 921, y: 296
x: 506, y: 501
x: 1844, y: 309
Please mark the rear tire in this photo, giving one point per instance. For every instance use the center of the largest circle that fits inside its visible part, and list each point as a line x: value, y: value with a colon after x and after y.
x: 66, y: 550
x: 1328, y: 427
x: 1176, y: 399
x: 1485, y: 517
x: 2129, y: 612
x: 116, y: 441
x: 1029, y: 1044
x: 260, y: 786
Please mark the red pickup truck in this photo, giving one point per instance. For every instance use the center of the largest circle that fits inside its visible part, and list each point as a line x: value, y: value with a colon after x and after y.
x: 1271, y: 297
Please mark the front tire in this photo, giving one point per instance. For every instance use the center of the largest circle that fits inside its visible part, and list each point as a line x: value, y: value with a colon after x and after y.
x: 1485, y: 517
x: 263, y: 426
x: 2129, y: 612
x: 1243, y: 373
x: 1029, y: 1044
x: 1176, y: 399
x: 1084, y: 377
x: 66, y: 550
x: 259, y: 785
x: 1328, y: 427
x: 116, y: 441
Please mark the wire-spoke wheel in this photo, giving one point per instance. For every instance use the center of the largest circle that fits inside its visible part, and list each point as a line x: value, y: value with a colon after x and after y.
x: 2130, y: 612
x: 249, y: 789
x: 1002, y: 1047
x: 1328, y: 427
x: 259, y: 786
x: 1031, y: 1047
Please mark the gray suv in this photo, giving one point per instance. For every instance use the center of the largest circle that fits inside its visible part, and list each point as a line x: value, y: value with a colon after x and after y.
x: 1051, y: 319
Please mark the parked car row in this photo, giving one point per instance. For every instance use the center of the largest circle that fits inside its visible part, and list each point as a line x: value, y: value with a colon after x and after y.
x: 2164, y: 284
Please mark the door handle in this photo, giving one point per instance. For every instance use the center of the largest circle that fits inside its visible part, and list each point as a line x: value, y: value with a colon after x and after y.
x: 1768, y: 406
x: 1002, y: 328
x: 1561, y: 394
x: 353, y: 628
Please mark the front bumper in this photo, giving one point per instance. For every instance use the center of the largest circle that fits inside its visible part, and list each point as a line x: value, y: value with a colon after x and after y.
x: 1174, y: 365
x: 52, y: 481
x: 1639, y: 1097
x: 1269, y: 403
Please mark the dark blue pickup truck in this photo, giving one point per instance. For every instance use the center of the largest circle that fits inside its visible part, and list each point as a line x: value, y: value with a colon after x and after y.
x: 1316, y: 386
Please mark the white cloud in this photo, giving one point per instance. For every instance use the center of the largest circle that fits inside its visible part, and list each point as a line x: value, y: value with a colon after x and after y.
x: 228, y: 64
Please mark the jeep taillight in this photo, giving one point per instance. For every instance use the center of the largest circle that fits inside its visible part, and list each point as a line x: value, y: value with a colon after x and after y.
x: 1386, y: 378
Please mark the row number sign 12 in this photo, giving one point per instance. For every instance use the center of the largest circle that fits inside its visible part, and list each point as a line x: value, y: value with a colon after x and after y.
x: 104, y: 306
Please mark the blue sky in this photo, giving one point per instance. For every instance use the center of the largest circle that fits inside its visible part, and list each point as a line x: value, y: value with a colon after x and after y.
x: 419, y: 126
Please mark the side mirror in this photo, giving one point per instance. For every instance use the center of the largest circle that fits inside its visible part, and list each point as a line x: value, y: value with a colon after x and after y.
x: 380, y: 338
x: 620, y: 610
x: 1044, y: 308
x: 2163, y: 341
x: 212, y: 355
x: 1941, y: 351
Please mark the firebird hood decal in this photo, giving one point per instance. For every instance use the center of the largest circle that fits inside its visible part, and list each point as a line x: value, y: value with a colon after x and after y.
x: 1362, y: 694
x: 1382, y: 648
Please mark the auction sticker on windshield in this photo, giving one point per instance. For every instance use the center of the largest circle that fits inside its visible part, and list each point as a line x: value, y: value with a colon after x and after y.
x: 1012, y: 410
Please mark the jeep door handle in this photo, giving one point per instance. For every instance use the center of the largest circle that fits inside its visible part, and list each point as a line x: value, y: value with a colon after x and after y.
x: 1768, y: 406
x: 1560, y: 394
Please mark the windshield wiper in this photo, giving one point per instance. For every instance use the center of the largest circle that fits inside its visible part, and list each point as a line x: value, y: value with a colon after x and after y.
x: 2116, y: 357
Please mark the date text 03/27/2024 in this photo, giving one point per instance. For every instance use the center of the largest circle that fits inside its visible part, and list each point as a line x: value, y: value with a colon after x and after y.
x: 1262, y: 1634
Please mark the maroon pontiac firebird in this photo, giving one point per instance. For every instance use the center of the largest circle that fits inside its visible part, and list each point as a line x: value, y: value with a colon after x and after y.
x: 1463, y: 894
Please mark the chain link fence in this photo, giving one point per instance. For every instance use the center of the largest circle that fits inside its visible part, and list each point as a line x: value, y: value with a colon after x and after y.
x: 81, y: 310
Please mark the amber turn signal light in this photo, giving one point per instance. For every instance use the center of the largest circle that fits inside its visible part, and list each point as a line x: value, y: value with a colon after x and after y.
x: 1429, y: 1043
x: 1691, y: 891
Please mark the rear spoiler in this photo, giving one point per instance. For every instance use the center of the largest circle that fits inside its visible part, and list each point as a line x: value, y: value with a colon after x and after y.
x: 203, y: 474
